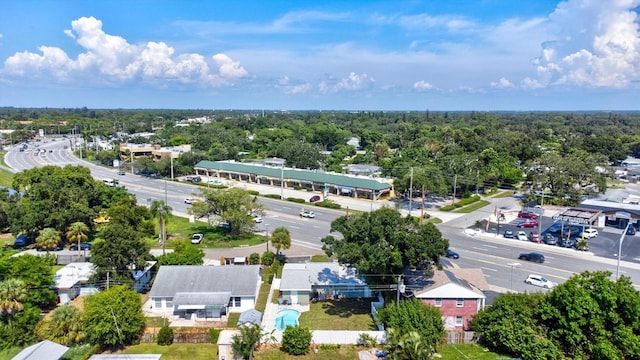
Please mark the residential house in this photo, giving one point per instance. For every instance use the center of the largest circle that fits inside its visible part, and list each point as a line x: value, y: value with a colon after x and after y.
x: 71, y: 281
x: 44, y: 350
x: 458, y: 293
x: 142, y: 278
x: 205, y: 292
x: 301, y: 283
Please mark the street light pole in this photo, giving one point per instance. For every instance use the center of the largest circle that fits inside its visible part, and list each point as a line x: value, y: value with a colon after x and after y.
x: 281, y: 182
x: 514, y: 264
x: 267, y: 235
x: 620, y: 248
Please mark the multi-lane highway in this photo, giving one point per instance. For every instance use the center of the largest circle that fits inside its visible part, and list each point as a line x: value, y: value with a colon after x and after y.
x: 497, y: 257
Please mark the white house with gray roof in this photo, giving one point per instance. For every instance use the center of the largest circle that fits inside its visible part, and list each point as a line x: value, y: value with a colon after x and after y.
x: 302, y: 282
x: 205, y: 292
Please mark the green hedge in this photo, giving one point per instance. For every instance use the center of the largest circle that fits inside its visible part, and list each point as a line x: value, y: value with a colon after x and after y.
x: 296, y: 200
x: 461, y: 203
x: 328, y: 204
x: 272, y: 196
x: 253, y: 192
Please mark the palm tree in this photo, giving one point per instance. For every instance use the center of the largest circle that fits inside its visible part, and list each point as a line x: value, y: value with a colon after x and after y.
x: 12, y: 293
x: 65, y: 326
x: 161, y: 211
x: 48, y: 239
x: 77, y: 232
x: 281, y: 238
x: 408, y: 346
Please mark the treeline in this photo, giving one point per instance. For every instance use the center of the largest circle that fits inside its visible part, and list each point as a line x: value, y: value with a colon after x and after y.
x: 470, y: 151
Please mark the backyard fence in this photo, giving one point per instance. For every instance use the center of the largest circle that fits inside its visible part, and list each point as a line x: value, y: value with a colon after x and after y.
x: 459, y: 337
x: 180, y: 336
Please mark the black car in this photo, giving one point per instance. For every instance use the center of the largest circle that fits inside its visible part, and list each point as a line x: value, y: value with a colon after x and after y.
x: 631, y: 230
x: 83, y: 246
x: 452, y: 254
x: 535, y: 257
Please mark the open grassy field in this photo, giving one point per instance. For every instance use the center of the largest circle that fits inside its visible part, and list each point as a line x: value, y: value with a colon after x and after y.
x: 177, y: 351
x: 472, y: 207
x: 346, y: 314
x: 6, y: 178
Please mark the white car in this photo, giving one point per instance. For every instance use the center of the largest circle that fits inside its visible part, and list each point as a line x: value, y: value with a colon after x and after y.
x: 538, y: 280
x: 257, y: 218
x: 307, y: 214
x: 196, y: 238
x: 589, y: 233
x: 521, y: 235
x: 188, y: 201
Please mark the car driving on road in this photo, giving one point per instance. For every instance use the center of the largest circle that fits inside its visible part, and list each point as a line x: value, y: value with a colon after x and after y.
x: 533, y: 256
x: 307, y: 214
x: 452, y: 254
x: 538, y: 280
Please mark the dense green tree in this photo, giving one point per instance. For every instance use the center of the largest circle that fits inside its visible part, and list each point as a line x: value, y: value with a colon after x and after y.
x: 182, y: 254
x: 413, y: 316
x: 20, y: 330
x: 302, y: 155
x: 281, y: 238
x: 383, y: 242
x: 407, y: 346
x: 592, y: 317
x: 35, y: 272
x: 113, y: 318
x: 48, y: 239
x: 296, y: 340
x: 233, y: 205
x: 165, y: 335
x: 13, y: 293
x: 246, y: 341
x: 64, y: 326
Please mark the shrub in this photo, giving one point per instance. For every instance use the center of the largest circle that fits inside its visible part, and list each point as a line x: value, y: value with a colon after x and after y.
x: 367, y: 340
x: 296, y: 200
x: 461, y: 203
x: 253, y: 192
x: 267, y: 258
x: 296, y: 340
x: 297, y: 187
x: 272, y: 196
x: 254, y: 259
x: 328, y: 204
x: 165, y: 336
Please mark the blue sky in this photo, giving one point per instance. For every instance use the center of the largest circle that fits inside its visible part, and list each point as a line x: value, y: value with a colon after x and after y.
x: 321, y: 55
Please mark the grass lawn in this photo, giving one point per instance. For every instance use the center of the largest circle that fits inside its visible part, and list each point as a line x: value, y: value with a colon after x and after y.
x: 472, y: 207
x: 345, y: 352
x: 177, y: 351
x: 263, y: 293
x: 504, y: 194
x: 6, y: 178
x: 180, y: 229
x: 346, y: 314
x: 468, y: 351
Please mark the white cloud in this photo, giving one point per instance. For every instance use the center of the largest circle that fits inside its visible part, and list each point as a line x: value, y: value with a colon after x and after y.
x: 289, y: 87
x: 352, y: 82
x: 422, y: 85
x: 112, y: 59
x: 597, y: 44
x: 503, y: 83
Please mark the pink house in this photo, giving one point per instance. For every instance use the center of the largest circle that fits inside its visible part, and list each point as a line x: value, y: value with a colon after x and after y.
x: 458, y: 293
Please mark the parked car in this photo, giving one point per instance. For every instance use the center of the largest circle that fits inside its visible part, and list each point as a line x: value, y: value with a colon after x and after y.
x: 307, y: 214
x: 196, y: 238
x: 549, y: 239
x: 522, y: 236
x: 566, y: 243
x: 534, y: 237
x: 631, y: 230
x: 509, y: 234
x: 533, y: 256
x: 58, y: 247
x: 83, y: 246
x: 527, y: 215
x: 21, y: 241
x: 256, y: 218
x: 589, y: 233
x: 315, y: 198
x: 538, y: 280
x: 528, y: 223
x: 452, y: 254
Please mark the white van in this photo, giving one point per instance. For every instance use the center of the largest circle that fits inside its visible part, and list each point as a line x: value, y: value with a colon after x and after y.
x: 109, y: 182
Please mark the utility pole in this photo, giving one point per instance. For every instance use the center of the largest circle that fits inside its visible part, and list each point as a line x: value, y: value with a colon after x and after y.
x: 107, y: 279
x: 540, y: 218
x: 455, y: 183
x: 422, y: 208
x: 398, y: 288
x: 282, y: 182
x: 410, y: 191
x: 171, y: 156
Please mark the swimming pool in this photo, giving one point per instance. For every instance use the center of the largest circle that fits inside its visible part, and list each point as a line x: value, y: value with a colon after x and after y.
x: 288, y: 317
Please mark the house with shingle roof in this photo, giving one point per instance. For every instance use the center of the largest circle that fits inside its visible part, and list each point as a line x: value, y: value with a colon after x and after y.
x: 457, y: 293
x: 205, y: 292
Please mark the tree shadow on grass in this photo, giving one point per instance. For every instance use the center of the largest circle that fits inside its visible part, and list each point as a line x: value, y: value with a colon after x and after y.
x: 346, y: 308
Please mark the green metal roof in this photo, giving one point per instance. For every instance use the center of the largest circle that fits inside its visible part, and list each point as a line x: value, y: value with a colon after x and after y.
x: 296, y: 174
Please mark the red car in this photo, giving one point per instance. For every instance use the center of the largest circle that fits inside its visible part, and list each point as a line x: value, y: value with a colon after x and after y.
x: 314, y: 198
x: 527, y: 215
x: 528, y: 223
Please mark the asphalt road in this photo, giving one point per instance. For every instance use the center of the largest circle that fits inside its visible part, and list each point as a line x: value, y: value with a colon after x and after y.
x: 498, y: 257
